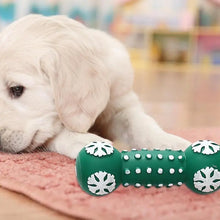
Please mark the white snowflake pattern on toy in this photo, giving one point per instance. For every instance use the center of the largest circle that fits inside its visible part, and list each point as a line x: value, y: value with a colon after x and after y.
x: 101, y: 183
x: 99, y: 149
x: 207, y: 180
x: 205, y: 147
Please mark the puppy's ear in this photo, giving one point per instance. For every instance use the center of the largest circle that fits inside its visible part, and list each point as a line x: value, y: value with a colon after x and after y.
x: 80, y: 88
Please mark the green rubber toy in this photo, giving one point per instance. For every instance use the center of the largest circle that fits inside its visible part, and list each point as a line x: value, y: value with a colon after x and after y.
x: 101, y: 168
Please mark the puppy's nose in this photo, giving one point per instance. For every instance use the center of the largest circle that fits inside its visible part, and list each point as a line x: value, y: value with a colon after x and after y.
x: 2, y: 131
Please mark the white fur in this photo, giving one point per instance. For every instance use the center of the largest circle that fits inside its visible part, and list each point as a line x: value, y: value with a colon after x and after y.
x: 75, y: 79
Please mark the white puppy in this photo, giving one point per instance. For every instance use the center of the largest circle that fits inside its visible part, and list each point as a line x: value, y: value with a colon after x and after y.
x: 59, y: 79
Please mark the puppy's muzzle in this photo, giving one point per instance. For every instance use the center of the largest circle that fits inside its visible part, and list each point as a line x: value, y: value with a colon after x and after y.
x: 11, y: 141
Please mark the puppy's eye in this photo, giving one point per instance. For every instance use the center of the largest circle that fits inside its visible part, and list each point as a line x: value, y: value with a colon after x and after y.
x: 16, y: 91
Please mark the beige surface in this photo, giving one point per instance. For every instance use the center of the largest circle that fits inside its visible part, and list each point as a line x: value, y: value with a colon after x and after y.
x: 180, y: 100
x: 175, y: 100
x: 15, y: 206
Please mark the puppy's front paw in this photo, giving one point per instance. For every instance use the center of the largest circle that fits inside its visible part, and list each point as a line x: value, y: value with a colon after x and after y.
x: 70, y: 143
x: 161, y: 140
x: 78, y: 145
x: 166, y: 140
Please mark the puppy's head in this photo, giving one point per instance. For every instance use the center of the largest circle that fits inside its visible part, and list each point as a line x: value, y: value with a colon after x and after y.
x: 27, y: 112
x: 50, y: 77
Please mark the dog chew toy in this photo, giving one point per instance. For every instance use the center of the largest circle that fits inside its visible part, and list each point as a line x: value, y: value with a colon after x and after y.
x: 101, y: 168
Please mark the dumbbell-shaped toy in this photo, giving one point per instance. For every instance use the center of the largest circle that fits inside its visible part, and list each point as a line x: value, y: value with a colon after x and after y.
x: 101, y: 168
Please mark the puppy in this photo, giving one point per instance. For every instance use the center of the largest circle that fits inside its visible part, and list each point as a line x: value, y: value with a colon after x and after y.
x: 60, y: 79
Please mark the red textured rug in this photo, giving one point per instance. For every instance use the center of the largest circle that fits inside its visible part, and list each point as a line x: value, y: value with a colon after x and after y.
x: 49, y: 178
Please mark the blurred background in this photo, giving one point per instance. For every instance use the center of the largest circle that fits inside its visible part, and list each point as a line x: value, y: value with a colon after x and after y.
x: 174, y: 47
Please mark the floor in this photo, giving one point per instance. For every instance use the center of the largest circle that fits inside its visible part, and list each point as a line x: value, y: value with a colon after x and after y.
x: 175, y: 100
x: 14, y: 206
x: 180, y: 100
